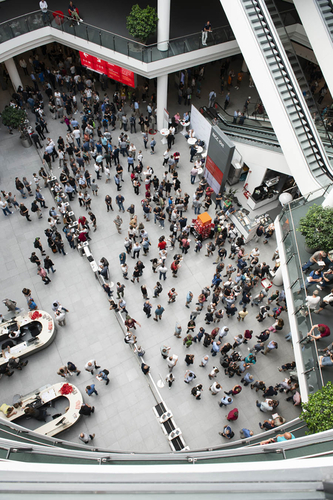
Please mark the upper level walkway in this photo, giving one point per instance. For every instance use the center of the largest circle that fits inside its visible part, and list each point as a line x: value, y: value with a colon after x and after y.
x: 104, y: 30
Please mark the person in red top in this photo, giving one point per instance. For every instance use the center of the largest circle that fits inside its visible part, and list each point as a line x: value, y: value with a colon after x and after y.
x: 162, y: 244
x: 323, y: 330
x: 233, y: 415
x: 234, y: 391
x: 209, y: 191
x: 82, y: 221
x: 174, y: 268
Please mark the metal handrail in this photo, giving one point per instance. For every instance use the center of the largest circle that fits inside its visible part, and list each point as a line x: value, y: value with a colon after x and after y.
x: 291, y: 53
x: 302, y: 277
x: 144, y: 46
x: 288, y: 83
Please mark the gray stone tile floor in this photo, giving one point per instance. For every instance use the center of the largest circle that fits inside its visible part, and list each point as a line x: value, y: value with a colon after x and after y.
x: 124, y: 419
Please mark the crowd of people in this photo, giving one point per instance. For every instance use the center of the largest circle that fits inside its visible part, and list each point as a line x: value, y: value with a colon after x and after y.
x: 87, y: 152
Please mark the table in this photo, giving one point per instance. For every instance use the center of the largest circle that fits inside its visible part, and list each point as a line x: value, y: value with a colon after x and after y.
x: 204, y: 154
x: 50, y: 393
x: 199, y: 149
x: 164, y: 132
x: 23, y: 348
x: 184, y: 125
x: 191, y: 141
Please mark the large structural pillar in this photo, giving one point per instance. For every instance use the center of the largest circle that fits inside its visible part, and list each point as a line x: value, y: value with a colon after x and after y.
x: 162, y: 100
x: 163, y: 25
x: 13, y: 73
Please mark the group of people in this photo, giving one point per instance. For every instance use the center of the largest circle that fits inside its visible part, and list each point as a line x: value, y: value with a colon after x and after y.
x: 164, y: 200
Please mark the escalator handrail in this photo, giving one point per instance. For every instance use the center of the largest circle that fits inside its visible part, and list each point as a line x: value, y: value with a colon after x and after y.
x: 275, y: 51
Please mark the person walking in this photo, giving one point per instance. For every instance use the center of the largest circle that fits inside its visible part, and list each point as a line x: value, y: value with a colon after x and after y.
x: 24, y: 212
x: 170, y: 379
x: 86, y: 438
x: 91, y: 365
x: 90, y: 390
x: 118, y: 222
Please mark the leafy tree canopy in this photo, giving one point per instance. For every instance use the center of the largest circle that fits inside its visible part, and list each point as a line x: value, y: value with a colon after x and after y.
x: 317, y: 412
x: 142, y: 23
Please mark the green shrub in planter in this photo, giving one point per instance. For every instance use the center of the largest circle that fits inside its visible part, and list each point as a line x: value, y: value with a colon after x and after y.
x: 13, y: 117
x: 317, y: 412
x: 317, y: 227
x: 142, y: 23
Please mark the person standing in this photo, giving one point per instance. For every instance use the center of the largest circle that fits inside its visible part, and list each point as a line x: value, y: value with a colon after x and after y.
x: 206, y: 29
x: 227, y: 101
x: 5, y: 208
x: 45, y: 15
x: 158, y: 312
x: 211, y: 99
x: 85, y: 438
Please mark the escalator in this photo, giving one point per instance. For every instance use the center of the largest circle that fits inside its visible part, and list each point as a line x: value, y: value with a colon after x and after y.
x: 280, y: 91
x: 326, y: 9
x: 255, y: 132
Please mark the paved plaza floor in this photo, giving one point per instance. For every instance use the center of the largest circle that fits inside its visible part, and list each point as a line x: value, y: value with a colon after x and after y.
x: 124, y: 419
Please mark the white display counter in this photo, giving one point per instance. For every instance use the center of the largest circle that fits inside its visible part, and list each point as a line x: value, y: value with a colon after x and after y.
x: 43, y: 331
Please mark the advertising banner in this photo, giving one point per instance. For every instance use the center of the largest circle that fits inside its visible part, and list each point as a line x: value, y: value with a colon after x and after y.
x: 113, y: 71
x: 219, y: 156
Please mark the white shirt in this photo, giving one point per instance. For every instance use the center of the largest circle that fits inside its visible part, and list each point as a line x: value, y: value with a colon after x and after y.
x: 43, y: 6
x: 87, y: 367
x: 312, y: 302
x: 76, y: 132
x: 173, y: 361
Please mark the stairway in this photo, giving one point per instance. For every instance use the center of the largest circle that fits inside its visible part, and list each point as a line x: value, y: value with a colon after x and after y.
x: 326, y: 9
x: 290, y: 93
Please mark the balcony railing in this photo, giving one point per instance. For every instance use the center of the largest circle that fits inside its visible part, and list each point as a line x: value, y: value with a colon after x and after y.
x: 296, y: 254
x: 145, y: 53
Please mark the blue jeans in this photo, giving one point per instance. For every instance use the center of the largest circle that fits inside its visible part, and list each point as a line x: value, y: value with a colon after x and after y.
x: 197, y: 210
x: 48, y: 270
x: 78, y: 140
x: 6, y: 211
x: 121, y: 206
x: 193, y: 179
x: 162, y: 274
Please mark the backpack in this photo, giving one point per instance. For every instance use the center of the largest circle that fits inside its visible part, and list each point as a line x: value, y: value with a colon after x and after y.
x: 105, y: 371
x: 34, y: 208
x: 71, y: 366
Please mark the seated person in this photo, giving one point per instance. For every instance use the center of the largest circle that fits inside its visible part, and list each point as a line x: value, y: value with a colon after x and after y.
x: 326, y: 360
x: 177, y: 118
x: 186, y: 116
x: 36, y: 413
x: 7, y: 410
x: 73, y: 12
x: 190, y: 134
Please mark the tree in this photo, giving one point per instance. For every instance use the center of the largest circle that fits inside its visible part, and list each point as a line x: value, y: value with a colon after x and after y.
x: 142, y: 23
x: 317, y: 412
x: 316, y: 226
x: 13, y: 117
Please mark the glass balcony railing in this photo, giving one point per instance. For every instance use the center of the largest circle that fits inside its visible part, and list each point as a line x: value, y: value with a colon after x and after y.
x: 145, y: 53
x: 296, y: 254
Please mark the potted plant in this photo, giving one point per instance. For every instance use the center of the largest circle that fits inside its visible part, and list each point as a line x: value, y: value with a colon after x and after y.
x: 316, y: 227
x: 14, y: 117
x: 142, y: 23
x: 317, y: 412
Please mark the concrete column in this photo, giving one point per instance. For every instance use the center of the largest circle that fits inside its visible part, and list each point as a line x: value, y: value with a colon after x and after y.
x: 13, y: 73
x: 162, y: 99
x: 163, y: 25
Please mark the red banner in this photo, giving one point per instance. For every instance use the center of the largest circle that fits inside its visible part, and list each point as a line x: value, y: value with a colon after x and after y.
x: 214, y: 170
x: 113, y: 71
